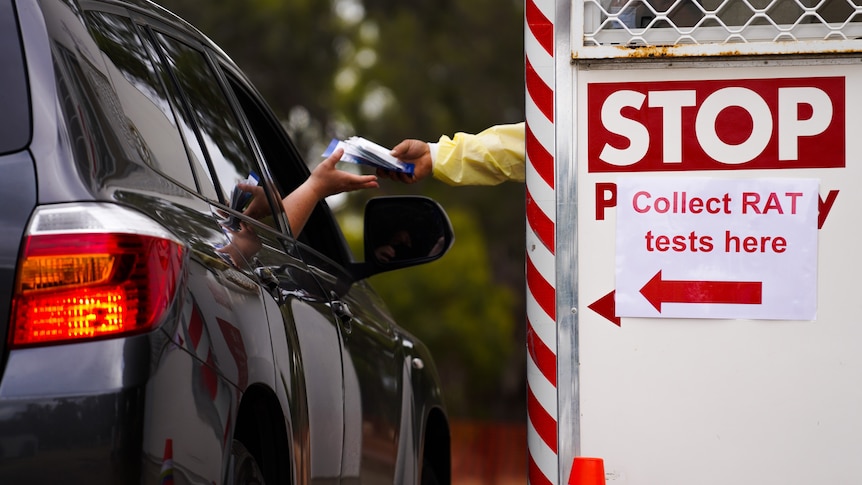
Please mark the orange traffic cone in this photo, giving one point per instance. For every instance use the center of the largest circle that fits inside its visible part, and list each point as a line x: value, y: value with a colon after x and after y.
x: 587, y: 471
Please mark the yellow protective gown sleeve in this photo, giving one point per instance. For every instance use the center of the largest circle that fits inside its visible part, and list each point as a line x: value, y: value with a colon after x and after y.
x: 490, y: 157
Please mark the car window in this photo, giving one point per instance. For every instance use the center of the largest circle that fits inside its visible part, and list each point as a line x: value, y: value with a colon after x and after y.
x: 289, y: 170
x: 15, y: 122
x: 194, y: 150
x: 152, y: 128
x: 230, y: 158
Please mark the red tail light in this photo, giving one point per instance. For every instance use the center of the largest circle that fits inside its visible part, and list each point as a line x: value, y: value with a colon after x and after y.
x: 90, y: 272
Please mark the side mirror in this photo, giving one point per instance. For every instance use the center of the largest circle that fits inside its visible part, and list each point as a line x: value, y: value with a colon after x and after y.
x: 403, y: 231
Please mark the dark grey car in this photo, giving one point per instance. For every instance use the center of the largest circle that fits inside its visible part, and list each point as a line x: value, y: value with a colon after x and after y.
x: 155, y: 333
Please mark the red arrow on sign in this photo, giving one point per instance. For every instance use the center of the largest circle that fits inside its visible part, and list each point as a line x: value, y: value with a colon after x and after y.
x: 658, y: 291
x: 606, y: 306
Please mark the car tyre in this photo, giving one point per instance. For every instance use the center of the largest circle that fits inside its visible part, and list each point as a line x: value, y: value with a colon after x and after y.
x: 246, y: 471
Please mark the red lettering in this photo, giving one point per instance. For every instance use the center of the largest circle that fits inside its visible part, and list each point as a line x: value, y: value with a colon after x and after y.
x: 750, y: 200
x: 678, y: 243
x: 753, y: 244
x: 637, y: 207
x: 793, y: 197
x: 824, y: 206
x: 662, y: 243
x: 772, y: 203
x: 606, y: 197
x: 679, y: 203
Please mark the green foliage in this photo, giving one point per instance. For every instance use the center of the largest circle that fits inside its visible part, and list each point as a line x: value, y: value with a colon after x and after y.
x: 287, y: 48
x: 451, y: 66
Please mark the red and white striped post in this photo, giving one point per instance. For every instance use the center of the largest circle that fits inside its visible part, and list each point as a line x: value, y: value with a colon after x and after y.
x: 542, y: 406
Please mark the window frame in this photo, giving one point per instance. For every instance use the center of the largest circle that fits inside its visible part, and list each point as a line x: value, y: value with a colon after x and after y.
x: 205, y: 188
x: 89, y: 9
x: 183, y: 96
x: 321, y: 234
x: 255, y: 161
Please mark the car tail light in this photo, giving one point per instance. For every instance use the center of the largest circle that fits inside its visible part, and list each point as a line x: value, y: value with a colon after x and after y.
x: 91, y: 271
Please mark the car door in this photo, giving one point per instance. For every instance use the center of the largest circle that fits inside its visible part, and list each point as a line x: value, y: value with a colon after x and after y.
x: 374, y: 375
x: 372, y: 359
x: 139, y: 161
x: 307, y: 345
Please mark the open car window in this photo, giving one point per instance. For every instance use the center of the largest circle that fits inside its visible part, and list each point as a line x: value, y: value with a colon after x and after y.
x: 289, y: 170
x: 219, y: 137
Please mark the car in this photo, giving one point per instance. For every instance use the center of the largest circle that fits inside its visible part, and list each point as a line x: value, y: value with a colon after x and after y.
x: 156, y: 333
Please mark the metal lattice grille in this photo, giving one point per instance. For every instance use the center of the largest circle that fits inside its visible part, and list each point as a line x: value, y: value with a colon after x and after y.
x: 675, y: 22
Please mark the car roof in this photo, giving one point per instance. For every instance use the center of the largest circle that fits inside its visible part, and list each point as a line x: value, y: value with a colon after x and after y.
x: 156, y: 11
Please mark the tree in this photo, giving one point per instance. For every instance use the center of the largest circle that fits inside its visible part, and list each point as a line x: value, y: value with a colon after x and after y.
x: 285, y: 47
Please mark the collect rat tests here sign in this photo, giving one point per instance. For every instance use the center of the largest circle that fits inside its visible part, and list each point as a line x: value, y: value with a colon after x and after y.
x: 716, y: 244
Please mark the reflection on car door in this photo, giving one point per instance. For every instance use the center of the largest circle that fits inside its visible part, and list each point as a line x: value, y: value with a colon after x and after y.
x: 373, y: 374
x: 371, y: 355
x: 308, y: 325
x: 306, y: 344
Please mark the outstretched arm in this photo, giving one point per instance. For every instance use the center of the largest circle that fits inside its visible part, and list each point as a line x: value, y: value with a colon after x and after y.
x: 325, y: 180
x: 490, y: 157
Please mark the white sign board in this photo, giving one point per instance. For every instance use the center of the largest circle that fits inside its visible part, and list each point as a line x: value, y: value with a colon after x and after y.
x: 716, y: 247
x: 719, y: 331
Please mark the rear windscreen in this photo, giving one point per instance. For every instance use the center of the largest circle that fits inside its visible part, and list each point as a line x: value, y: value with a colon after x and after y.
x: 14, y: 110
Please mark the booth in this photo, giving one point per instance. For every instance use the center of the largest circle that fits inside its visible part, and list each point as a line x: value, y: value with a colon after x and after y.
x: 694, y: 310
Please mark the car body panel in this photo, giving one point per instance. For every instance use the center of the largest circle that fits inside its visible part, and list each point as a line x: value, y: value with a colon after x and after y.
x: 18, y: 184
x: 15, y: 124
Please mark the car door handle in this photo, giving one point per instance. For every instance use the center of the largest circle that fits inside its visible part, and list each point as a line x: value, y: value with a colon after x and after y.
x: 342, y: 311
x: 266, y: 275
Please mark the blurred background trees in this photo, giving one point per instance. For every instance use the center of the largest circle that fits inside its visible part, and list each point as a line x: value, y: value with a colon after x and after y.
x: 393, y: 69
